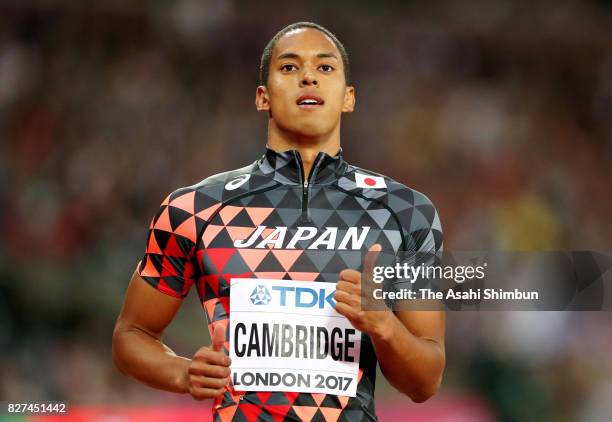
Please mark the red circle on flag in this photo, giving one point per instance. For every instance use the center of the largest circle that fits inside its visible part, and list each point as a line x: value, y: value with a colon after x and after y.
x: 369, y: 181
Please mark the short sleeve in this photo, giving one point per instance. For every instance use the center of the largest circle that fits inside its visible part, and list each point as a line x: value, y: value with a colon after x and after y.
x: 423, y: 239
x: 169, y: 262
x: 423, y: 229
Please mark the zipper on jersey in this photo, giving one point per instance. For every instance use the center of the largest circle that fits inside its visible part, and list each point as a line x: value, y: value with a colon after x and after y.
x: 307, y: 181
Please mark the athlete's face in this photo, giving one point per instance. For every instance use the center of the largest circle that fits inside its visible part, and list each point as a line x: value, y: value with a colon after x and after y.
x: 306, y: 91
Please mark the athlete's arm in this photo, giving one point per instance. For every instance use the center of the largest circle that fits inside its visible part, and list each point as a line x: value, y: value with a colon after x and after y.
x: 138, y: 350
x: 410, y: 351
x: 409, y: 344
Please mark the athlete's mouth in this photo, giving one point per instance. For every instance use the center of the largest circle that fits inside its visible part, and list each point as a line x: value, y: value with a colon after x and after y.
x: 310, y: 101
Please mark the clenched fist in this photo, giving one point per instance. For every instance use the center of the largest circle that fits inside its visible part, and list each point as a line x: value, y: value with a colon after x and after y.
x: 209, y: 372
x: 348, y: 297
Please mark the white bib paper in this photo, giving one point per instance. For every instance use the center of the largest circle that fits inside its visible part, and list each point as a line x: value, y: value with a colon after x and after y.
x: 286, y: 335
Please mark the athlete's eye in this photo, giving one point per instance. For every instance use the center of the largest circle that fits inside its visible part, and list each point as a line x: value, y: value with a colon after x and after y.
x: 288, y: 67
x: 326, y: 68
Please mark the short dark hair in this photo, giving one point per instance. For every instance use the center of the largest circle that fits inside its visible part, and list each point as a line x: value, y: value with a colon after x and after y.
x: 264, y: 67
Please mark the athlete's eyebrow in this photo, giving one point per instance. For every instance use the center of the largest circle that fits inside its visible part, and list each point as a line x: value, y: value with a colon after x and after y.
x: 290, y: 55
x: 327, y: 56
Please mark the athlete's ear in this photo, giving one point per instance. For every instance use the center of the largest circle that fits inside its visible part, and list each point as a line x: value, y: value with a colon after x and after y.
x: 349, y: 99
x: 262, y: 99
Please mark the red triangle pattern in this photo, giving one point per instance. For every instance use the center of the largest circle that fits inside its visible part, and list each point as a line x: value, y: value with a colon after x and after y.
x: 278, y: 412
x: 208, y: 212
x: 236, y: 233
x: 167, y: 200
x: 149, y: 269
x: 303, y: 276
x: 263, y: 395
x: 224, y: 301
x: 152, y: 246
x: 330, y: 414
x: 258, y: 214
x: 220, y: 256
x: 187, y: 228
x: 173, y: 249
x: 188, y: 271
x: 318, y: 398
x: 185, y: 202
x: 163, y: 287
x: 168, y: 269
x: 287, y: 257
x: 210, y: 233
x: 305, y: 413
x: 200, y: 256
x: 253, y: 257
x: 291, y: 396
x: 209, y: 307
x: 271, y: 274
x: 163, y: 221
x: 212, y: 281
x: 227, y: 413
x: 228, y: 213
x: 250, y: 411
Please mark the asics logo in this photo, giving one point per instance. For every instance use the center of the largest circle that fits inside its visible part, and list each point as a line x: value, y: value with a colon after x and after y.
x: 237, y: 182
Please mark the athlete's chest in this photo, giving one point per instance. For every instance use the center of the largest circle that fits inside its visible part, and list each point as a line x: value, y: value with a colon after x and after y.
x: 290, y: 233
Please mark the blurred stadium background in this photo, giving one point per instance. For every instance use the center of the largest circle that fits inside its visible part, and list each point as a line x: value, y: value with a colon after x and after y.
x: 500, y: 111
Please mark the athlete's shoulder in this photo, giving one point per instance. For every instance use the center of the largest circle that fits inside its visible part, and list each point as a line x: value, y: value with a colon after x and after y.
x: 377, y: 186
x: 414, y: 211
x: 212, y: 186
x: 220, y: 188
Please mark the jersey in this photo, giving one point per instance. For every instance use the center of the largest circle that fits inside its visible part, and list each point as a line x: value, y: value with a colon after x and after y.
x: 270, y: 220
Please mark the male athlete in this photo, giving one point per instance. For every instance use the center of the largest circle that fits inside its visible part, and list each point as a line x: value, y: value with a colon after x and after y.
x: 298, y: 213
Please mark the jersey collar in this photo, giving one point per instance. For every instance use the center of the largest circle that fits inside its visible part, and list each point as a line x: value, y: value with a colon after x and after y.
x: 286, y: 167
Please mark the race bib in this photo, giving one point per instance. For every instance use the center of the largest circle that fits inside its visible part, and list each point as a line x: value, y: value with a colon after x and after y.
x: 286, y: 335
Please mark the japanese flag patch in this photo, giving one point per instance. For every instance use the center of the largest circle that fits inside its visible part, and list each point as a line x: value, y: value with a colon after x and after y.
x: 368, y: 181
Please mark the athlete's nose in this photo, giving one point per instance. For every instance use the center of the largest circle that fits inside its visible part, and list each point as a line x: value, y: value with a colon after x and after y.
x: 308, y: 79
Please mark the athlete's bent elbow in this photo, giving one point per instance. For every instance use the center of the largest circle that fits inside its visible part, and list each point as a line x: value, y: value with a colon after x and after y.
x: 118, y: 341
x: 423, y: 395
x: 426, y: 392
x: 420, y: 398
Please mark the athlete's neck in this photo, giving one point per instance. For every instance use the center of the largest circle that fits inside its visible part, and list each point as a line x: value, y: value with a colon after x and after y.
x: 308, y: 146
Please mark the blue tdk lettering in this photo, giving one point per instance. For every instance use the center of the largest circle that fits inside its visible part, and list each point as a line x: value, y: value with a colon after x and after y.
x: 329, y: 299
x: 283, y: 291
x: 305, y: 297
x: 302, y: 294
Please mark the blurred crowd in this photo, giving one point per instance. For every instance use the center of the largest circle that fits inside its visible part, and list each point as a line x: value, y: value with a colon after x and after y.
x: 501, y: 113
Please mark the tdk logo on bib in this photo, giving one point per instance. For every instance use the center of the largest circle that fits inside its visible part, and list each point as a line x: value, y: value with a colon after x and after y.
x: 299, y: 297
x: 260, y: 296
x: 304, y: 297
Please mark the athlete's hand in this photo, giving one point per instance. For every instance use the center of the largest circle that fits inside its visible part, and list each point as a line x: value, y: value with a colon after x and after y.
x: 348, y: 298
x: 209, y: 371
